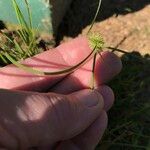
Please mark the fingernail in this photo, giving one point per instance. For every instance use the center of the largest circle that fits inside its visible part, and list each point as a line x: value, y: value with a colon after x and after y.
x: 90, y: 98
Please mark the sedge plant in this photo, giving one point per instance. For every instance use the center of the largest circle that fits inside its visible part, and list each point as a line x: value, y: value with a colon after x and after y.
x: 28, y: 36
x: 26, y: 46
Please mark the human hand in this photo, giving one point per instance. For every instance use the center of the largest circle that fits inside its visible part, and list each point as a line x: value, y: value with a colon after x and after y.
x: 73, y: 120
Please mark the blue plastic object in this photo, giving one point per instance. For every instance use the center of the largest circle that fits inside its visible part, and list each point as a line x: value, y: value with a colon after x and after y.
x: 40, y: 9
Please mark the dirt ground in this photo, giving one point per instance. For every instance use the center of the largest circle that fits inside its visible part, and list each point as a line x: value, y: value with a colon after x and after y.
x: 123, y: 23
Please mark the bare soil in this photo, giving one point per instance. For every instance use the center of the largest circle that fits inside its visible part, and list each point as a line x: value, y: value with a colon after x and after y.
x: 122, y: 23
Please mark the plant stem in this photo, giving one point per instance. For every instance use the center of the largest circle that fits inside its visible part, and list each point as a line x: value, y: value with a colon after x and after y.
x: 118, y: 50
x: 93, y: 72
x: 96, y: 14
x: 61, y: 72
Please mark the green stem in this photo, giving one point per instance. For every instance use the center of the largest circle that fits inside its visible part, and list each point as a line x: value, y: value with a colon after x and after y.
x: 93, y: 72
x: 61, y: 72
x: 118, y: 50
x: 29, y: 13
x: 96, y: 14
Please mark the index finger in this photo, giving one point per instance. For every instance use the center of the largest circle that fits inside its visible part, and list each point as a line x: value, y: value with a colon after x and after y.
x: 12, y: 77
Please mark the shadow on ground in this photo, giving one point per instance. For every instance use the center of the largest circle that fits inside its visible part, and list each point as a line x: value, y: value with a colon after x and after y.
x: 129, y: 119
x: 2, y: 25
x: 82, y: 12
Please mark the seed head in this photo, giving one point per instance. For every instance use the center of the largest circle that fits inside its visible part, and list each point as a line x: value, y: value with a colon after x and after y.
x: 95, y: 41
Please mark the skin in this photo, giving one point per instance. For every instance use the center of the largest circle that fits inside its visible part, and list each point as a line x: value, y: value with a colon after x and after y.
x: 61, y: 112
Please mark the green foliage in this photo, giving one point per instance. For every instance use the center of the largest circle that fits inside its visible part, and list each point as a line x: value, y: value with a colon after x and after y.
x: 21, y: 44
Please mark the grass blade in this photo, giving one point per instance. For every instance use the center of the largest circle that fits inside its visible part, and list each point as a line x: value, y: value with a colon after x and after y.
x: 96, y: 14
x: 29, y: 14
x: 61, y: 72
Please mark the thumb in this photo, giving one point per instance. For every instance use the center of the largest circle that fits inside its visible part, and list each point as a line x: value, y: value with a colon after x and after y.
x: 80, y: 110
x: 35, y: 119
x: 69, y: 115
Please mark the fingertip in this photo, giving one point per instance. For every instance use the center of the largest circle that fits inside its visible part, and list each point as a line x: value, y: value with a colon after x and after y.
x: 108, y: 96
x: 103, y: 118
x: 90, y: 98
x: 113, y: 60
x: 108, y: 66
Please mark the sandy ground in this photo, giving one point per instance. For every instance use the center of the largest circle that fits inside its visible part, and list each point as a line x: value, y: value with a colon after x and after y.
x: 122, y: 23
